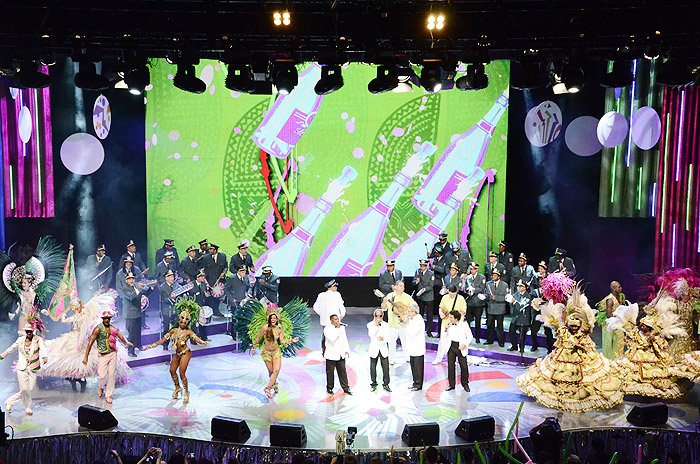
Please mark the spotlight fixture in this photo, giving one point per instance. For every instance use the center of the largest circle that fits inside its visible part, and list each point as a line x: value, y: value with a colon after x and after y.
x: 240, y: 78
x: 137, y: 80
x: 572, y: 77
x: 385, y: 81
x: 28, y: 76
x: 620, y: 76
x: 187, y: 80
x: 331, y: 80
x: 529, y: 76
x: 474, y: 79
x: 435, y: 22
x: 284, y: 76
x: 88, y: 79
x: 279, y: 19
x: 431, y: 76
x: 674, y: 72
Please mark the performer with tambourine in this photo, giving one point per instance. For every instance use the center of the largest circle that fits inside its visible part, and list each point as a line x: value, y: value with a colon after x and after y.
x: 215, y: 265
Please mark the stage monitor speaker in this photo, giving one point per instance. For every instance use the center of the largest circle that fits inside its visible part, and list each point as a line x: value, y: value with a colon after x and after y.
x: 288, y: 435
x: 421, y: 434
x: 94, y: 418
x: 480, y: 428
x: 648, y: 415
x: 229, y: 429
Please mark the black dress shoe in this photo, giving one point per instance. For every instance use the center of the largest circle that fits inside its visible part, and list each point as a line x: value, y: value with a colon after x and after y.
x: 132, y: 354
x: 488, y: 343
x: 513, y: 348
x: 374, y: 388
x: 145, y: 327
x: 477, y: 341
x: 429, y: 335
x: 386, y: 388
x: 415, y: 389
x: 450, y: 388
x: 348, y: 392
x: 534, y: 348
x: 329, y: 391
x: 466, y: 388
x: 502, y: 345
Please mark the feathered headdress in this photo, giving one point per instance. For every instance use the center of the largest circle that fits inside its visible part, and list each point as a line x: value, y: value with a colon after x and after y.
x: 578, y: 308
x: 551, y: 314
x: 661, y: 317
x: 623, y: 318
x: 188, y: 305
x: 557, y: 287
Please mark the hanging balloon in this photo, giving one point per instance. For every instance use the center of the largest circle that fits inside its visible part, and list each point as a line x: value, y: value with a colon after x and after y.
x: 82, y: 153
x: 612, y: 129
x: 646, y: 127
x: 581, y: 136
x: 543, y: 123
x: 101, y: 117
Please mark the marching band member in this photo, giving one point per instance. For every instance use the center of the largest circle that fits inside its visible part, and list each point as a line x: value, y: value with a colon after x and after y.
x: 461, y: 257
x: 127, y: 268
x: 328, y: 303
x: 415, y: 337
x: 396, y: 303
x: 215, y: 265
x: 442, y: 242
x: 203, y: 251
x: 337, y: 351
x: 535, y: 324
x: 423, y: 281
x: 135, y: 257
x: 493, y: 264
x: 521, y: 302
x: 505, y: 258
x: 378, y: 332
x: 242, y: 258
x: 561, y: 263
x: 238, y: 287
x: 453, y: 301
x: 31, y: 354
x: 131, y: 304
x: 522, y: 271
x: 475, y: 285
x: 459, y: 337
x: 200, y: 293
x: 100, y: 265
x: 167, y: 264
x: 452, y: 278
x: 167, y: 246
x: 267, y: 286
x: 188, y: 266
x: 389, y: 277
x: 167, y: 301
x: 497, y: 290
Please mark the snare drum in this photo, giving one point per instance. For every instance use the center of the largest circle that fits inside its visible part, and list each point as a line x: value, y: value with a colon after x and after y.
x: 144, y: 303
x: 217, y: 291
x: 205, y: 313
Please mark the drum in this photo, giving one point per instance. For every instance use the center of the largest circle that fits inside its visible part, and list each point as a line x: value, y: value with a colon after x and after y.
x: 217, y: 291
x: 144, y: 303
x: 205, y: 313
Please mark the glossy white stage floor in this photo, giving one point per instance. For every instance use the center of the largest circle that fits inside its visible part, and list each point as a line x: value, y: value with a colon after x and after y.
x: 231, y: 384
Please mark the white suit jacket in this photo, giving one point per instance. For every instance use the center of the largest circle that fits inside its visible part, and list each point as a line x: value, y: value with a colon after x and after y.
x: 329, y: 303
x: 415, y: 336
x: 336, y: 342
x: 22, y: 356
x: 463, y: 334
x: 376, y: 346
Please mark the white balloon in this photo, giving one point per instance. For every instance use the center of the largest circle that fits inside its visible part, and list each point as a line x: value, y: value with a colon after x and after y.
x: 24, y: 124
x: 646, y: 127
x: 612, y: 129
x: 581, y: 136
x: 207, y: 74
x: 82, y: 153
x: 543, y: 123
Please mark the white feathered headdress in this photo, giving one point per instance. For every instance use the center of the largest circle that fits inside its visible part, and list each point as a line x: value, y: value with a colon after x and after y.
x: 662, y: 318
x: 578, y: 308
x: 623, y: 318
x: 551, y: 314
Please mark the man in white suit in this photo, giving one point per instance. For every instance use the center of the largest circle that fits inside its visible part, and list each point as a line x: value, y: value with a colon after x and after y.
x: 378, y: 332
x: 337, y: 350
x: 328, y: 303
x: 459, y: 336
x: 415, y: 346
x: 32, y: 353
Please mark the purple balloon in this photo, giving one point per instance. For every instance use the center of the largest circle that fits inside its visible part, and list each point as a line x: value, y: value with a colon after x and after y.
x: 581, y: 136
x: 612, y: 129
x: 82, y: 153
x: 646, y: 127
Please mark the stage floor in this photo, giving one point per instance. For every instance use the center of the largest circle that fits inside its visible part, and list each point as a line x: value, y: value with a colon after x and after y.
x: 231, y: 384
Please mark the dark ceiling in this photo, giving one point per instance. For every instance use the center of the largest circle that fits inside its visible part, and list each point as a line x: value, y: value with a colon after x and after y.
x: 503, y: 28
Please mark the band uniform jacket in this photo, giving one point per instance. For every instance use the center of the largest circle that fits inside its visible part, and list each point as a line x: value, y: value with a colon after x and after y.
x: 456, y: 281
x: 165, y: 289
x: 568, y: 264
x: 268, y: 287
x: 506, y: 258
x: 22, y: 361
x: 440, y: 266
x: 386, y: 280
x: 488, y: 270
x: 131, y: 302
x: 213, y: 267
x: 463, y: 334
x: 375, y: 345
x: 198, y: 292
x: 463, y: 259
x: 522, y: 309
x: 478, y: 282
x: 499, y: 290
x: 92, y: 271
x: 162, y: 269
x: 189, y: 268
x: 238, y: 289
x: 138, y: 261
x: 237, y: 261
x: 415, y: 336
x: 160, y: 254
x: 517, y: 274
x: 120, y: 279
x: 424, y: 281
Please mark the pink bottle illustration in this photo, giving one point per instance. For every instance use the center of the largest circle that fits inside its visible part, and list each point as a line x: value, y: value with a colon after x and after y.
x: 353, y: 250
x: 288, y: 256
x: 412, y: 250
x: 289, y: 116
x: 459, y: 161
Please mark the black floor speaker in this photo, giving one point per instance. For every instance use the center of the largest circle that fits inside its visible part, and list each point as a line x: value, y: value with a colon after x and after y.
x: 648, y: 415
x: 289, y: 435
x: 421, y: 434
x: 229, y: 429
x: 94, y: 418
x: 480, y: 428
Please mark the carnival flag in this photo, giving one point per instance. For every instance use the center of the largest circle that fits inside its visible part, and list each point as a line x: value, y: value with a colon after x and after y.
x: 67, y: 289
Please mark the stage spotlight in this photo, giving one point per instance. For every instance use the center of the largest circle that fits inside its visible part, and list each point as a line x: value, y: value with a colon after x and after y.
x: 88, y: 79
x: 385, y: 81
x: 187, y: 80
x: 431, y: 76
x: 279, y: 19
x: 621, y: 75
x: 572, y: 78
x: 284, y: 76
x: 331, y: 80
x: 474, y: 79
x: 529, y: 76
x: 286, y: 18
x: 240, y: 78
x: 435, y: 22
x: 137, y: 80
x: 28, y: 76
x: 674, y: 72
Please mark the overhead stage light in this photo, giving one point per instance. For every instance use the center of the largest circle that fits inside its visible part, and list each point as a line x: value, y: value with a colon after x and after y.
x: 187, y: 80
x: 572, y: 78
x: 29, y: 77
x: 385, y: 81
x: 529, y: 76
x: 285, y: 76
x: 431, y: 76
x: 474, y: 79
x: 674, y: 72
x: 621, y: 75
x: 88, y: 79
x: 240, y: 78
x: 279, y: 19
x: 137, y: 80
x: 435, y: 22
x: 331, y: 80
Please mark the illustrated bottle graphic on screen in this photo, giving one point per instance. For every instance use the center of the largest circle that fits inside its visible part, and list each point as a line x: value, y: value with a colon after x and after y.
x: 287, y: 257
x: 353, y: 250
x: 290, y: 115
x: 458, y: 161
x: 414, y: 249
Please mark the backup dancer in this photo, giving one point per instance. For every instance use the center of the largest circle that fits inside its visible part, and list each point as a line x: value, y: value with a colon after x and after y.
x: 31, y: 353
x: 273, y: 338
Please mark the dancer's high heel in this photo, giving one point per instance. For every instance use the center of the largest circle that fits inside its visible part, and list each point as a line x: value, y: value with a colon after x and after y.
x: 178, y: 390
x: 268, y: 391
x: 276, y: 388
x: 186, y: 399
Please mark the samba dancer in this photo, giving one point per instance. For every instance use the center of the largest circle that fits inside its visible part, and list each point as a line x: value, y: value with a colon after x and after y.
x: 271, y: 351
x: 31, y: 353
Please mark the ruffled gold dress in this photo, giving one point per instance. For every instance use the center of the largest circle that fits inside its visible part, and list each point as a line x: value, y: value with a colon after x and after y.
x: 646, y: 368
x: 574, y: 377
x: 682, y: 345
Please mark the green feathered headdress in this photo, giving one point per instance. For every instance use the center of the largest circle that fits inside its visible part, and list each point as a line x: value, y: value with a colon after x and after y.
x: 187, y: 303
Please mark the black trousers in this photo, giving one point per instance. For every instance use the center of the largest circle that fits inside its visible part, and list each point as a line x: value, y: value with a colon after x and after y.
x: 512, y: 334
x: 547, y: 332
x: 373, y: 369
x: 342, y: 374
x: 495, y: 322
x: 453, y: 354
x: 214, y: 304
x: 133, y: 327
x: 426, y: 309
x: 474, y: 313
x: 417, y: 367
x: 169, y: 320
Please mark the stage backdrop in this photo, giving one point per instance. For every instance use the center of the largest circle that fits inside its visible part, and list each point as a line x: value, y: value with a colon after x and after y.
x: 326, y: 186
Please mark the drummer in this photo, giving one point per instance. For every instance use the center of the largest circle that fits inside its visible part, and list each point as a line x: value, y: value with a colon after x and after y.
x: 167, y: 300
x: 239, y: 286
x: 200, y: 293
